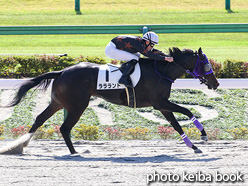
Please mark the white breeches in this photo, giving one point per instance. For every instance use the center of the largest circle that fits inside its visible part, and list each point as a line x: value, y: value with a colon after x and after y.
x: 112, y: 52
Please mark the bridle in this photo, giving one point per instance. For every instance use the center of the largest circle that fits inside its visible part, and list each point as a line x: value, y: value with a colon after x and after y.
x: 194, y: 73
x: 197, y: 73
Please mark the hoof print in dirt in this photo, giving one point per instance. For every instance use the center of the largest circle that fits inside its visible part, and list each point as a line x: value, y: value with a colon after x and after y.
x: 86, y: 152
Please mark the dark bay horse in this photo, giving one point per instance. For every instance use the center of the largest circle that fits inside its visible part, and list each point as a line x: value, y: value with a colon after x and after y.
x: 73, y: 87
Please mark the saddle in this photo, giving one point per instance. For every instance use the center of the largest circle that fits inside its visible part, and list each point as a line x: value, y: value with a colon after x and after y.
x: 109, y: 75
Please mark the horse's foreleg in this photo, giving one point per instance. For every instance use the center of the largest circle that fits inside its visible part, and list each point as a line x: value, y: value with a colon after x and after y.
x: 172, y: 120
x: 172, y: 107
x: 200, y: 128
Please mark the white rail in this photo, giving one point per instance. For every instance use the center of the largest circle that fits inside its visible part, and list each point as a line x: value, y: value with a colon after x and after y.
x: 179, y: 84
x: 224, y: 84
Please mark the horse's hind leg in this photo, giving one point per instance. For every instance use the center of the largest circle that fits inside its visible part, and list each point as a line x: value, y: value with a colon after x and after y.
x: 74, y: 112
x: 172, y: 120
x: 46, y: 114
x: 40, y: 119
x: 17, y: 146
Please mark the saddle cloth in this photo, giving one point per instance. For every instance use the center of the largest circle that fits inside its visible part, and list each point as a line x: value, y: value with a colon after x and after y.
x: 109, y: 75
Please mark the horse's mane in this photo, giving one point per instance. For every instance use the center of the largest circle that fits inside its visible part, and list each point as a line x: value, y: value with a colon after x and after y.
x: 173, y: 52
x: 176, y: 52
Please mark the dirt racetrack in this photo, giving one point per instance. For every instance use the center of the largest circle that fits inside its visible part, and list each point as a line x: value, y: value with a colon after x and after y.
x: 46, y: 162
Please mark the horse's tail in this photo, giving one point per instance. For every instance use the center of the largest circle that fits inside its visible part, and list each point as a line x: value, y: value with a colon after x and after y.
x: 41, y: 81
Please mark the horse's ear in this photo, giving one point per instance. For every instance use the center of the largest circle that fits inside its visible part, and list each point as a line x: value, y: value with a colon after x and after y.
x: 170, y: 52
x: 200, y: 52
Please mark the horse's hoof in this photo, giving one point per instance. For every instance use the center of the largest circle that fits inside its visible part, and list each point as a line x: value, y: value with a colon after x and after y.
x: 197, y: 151
x: 204, y: 138
x: 75, y: 155
x: 72, y: 153
x: 28, y: 138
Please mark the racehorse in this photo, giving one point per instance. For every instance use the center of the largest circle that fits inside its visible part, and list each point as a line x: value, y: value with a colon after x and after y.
x: 73, y: 86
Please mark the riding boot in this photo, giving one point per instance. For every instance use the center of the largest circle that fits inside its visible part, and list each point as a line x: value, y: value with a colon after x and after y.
x: 125, y: 78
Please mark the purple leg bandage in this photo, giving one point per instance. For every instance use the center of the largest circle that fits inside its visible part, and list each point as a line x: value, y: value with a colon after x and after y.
x: 197, y: 123
x: 186, y: 140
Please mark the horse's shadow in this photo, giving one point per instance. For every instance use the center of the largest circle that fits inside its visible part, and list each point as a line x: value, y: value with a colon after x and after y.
x: 128, y: 159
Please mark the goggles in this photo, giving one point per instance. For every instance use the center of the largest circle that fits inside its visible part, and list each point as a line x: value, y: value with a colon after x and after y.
x: 151, y: 44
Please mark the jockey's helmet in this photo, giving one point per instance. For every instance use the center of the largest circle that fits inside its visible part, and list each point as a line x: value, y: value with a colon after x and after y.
x: 151, y: 36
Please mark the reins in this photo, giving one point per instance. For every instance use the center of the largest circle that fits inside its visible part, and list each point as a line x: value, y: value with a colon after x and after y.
x: 162, y: 75
x: 202, y: 80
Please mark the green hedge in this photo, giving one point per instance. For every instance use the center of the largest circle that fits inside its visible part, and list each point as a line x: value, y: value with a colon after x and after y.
x: 230, y: 69
x: 30, y: 66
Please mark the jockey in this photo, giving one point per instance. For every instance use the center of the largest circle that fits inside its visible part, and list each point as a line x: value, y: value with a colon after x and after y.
x: 128, y: 48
